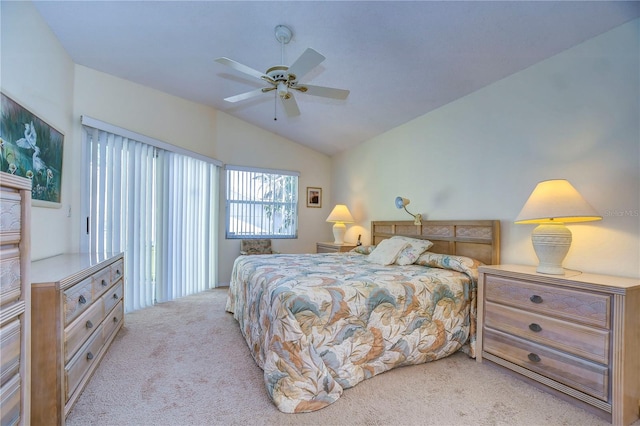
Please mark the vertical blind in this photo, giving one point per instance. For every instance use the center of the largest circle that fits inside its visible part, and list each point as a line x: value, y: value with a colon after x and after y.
x: 158, y: 207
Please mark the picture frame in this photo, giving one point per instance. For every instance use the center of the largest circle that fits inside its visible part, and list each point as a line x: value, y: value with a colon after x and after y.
x: 314, y: 197
x: 31, y: 148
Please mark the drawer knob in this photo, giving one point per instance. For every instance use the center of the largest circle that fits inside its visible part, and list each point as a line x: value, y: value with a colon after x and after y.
x: 104, y: 283
x: 82, y: 299
x: 536, y: 299
x: 118, y: 272
x: 115, y: 296
x: 89, y: 356
x: 115, y: 319
x: 533, y: 357
x: 535, y: 327
x: 89, y: 324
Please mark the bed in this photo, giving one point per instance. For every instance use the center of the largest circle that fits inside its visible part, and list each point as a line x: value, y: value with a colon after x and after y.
x: 321, y: 323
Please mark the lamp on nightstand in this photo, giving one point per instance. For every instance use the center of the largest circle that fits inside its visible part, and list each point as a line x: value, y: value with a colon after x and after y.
x: 552, y: 204
x: 339, y: 216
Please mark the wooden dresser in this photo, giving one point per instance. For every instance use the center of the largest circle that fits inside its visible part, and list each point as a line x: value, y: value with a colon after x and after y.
x: 333, y: 248
x: 78, y: 307
x: 15, y: 299
x: 575, y: 335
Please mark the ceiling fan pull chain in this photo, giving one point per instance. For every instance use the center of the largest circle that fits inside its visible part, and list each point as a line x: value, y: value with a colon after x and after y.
x: 275, y: 106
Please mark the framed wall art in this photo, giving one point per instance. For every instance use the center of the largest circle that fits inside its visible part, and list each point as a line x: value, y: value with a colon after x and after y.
x: 314, y: 197
x: 31, y: 148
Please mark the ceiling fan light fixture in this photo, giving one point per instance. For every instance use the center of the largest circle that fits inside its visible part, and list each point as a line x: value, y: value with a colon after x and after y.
x: 282, y: 90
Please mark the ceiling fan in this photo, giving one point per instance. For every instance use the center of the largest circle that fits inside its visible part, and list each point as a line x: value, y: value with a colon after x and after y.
x: 284, y: 79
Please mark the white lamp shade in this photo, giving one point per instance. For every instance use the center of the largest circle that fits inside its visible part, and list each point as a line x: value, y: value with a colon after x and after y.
x: 340, y: 215
x: 550, y: 205
x: 556, y: 200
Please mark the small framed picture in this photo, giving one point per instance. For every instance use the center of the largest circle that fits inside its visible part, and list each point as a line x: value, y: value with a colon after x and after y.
x: 314, y: 197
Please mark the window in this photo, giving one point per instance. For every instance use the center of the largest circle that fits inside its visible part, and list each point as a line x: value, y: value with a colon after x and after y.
x: 261, y: 203
x: 157, y: 204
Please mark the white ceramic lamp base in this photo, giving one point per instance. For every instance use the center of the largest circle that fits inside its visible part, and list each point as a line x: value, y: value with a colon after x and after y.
x: 339, y: 229
x: 551, y: 241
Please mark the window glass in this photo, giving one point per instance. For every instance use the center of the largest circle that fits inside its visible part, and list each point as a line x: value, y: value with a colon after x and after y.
x: 261, y: 203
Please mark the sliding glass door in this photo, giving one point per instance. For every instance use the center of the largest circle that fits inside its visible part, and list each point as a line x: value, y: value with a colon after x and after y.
x: 158, y: 206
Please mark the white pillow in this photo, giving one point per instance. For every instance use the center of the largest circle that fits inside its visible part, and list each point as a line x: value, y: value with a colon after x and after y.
x: 386, y: 252
x: 413, y: 250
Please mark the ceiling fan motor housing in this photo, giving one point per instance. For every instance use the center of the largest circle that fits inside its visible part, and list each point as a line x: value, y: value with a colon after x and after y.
x: 282, y: 80
x: 279, y: 73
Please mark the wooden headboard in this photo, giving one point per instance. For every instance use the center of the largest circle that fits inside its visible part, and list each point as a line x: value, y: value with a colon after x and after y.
x: 479, y: 239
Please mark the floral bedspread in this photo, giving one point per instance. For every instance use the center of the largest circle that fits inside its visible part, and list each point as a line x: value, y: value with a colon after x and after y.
x: 320, y: 323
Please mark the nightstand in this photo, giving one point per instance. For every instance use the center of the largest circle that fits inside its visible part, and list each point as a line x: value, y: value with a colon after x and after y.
x: 333, y: 248
x: 575, y: 335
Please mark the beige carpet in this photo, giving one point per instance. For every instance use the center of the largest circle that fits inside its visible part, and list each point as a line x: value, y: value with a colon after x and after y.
x: 186, y: 363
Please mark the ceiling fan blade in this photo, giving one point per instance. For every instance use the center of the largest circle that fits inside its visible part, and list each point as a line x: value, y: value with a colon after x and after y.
x: 248, y: 95
x: 305, y: 63
x: 326, y: 92
x: 242, y: 68
x: 290, y: 106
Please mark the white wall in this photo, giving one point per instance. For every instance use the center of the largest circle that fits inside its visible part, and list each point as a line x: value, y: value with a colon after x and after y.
x: 37, y: 72
x: 573, y: 116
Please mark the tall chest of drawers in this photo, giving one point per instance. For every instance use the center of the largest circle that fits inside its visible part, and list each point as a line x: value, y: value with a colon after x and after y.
x: 77, y: 310
x: 576, y: 335
x: 15, y: 299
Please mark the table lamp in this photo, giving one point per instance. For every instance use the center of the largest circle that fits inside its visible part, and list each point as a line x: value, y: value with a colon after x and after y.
x: 552, y: 204
x: 402, y: 203
x: 339, y: 216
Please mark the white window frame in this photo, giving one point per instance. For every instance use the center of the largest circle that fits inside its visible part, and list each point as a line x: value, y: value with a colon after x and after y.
x: 252, y: 207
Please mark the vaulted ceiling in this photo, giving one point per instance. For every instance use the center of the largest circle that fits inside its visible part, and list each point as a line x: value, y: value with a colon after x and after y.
x: 399, y: 59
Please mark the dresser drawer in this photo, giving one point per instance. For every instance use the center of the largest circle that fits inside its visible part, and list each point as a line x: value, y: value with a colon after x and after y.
x: 9, y: 351
x: 101, y: 282
x: 112, y: 297
x: 80, y: 330
x: 10, y: 402
x: 587, y: 342
x: 579, y: 306
x: 113, y: 320
x: 117, y: 270
x: 580, y: 374
x: 77, y: 299
x: 10, y: 283
x: 10, y: 216
x: 82, y: 361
